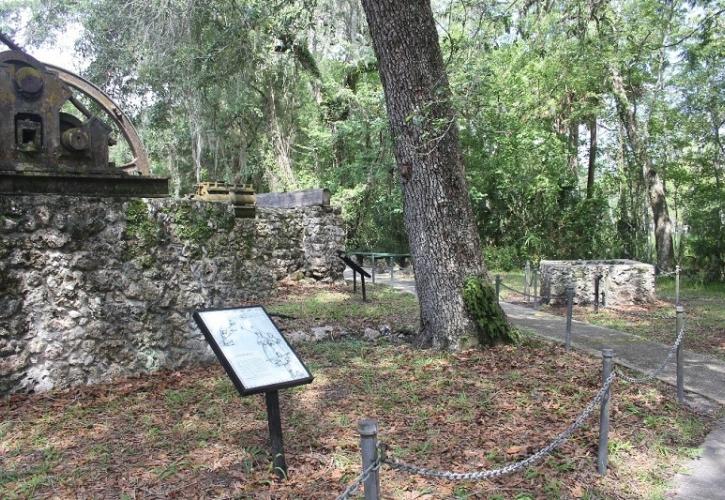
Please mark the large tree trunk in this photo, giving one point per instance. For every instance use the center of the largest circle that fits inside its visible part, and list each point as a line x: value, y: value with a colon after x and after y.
x: 653, y: 181
x: 439, y: 220
x: 592, y: 156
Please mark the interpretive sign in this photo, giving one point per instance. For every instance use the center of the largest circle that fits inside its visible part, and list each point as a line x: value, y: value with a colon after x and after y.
x: 254, y: 353
x: 257, y: 358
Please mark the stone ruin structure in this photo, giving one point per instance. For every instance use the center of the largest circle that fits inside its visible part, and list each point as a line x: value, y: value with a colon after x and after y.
x: 623, y: 282
x: 97, y: 278
x: 94, y: 288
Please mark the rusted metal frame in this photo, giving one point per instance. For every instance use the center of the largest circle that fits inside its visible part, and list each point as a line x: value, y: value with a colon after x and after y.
x: 140, y: 162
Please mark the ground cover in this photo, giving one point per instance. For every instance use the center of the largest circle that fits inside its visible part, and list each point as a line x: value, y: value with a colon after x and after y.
x: 188, y: 434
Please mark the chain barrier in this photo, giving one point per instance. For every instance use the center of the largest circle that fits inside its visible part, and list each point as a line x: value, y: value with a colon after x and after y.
x: 512, y: 467
x: 549, y: 297
x: 642, y: 315
x: 659, y: 369
x: 669, y: 273
x: 355, y: 484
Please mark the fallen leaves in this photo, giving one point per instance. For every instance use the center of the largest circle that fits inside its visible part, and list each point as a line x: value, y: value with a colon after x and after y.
x: 188, y: 434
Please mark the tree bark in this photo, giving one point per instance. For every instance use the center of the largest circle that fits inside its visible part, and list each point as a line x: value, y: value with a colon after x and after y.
x: 653, y: 181
x: 592, y: 156
x: 443, y: 236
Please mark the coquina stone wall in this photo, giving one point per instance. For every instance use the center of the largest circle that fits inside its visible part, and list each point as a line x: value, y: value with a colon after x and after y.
x: 623, y: 282
x: 95, y: 288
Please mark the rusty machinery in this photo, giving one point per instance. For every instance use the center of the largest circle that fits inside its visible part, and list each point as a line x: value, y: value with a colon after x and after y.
x: 241, y: 197
x: 51, y: 143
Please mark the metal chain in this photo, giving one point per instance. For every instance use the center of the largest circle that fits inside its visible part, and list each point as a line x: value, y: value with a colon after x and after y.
x: 353, y: 486
x: 512, y: 467
x: 661, y: 368
x: 670, y: 273
x: 561, y: 295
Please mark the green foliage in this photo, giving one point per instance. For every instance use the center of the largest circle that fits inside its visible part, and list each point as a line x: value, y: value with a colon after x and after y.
x: 492, y: 326
x: 141, y: 233
x: 198, y: 225
x: 287, y: 96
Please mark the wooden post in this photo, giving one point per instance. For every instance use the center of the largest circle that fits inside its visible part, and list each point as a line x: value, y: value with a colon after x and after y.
x: 274, y: 420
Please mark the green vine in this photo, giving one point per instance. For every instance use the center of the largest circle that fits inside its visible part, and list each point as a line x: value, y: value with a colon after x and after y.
x: 492, y: 327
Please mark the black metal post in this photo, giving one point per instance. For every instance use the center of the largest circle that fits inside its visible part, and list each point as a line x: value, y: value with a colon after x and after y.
x: 569, y: 313
x: 498, y: 288
x: 680, y: 323
x: 596, y: 293
x: 362, y: 282
x: 373, y: 270
x: 603, y: 455
x: 274, y: 420
x: 368, y: 429
x: 354, y: 281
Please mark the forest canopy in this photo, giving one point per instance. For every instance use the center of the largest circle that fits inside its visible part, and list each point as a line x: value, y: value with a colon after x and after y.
x: 571, y: 114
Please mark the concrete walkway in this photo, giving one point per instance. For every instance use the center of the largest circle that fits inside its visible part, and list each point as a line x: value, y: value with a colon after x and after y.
x: 704, y: 376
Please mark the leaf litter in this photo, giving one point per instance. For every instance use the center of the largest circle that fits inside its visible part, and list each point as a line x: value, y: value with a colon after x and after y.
x: 187, y: 434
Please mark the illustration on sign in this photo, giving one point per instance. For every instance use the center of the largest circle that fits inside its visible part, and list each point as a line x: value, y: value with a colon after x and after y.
x: 253, y: 347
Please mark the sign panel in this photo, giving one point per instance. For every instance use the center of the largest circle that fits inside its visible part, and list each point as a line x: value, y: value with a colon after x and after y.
x: 254, y: 353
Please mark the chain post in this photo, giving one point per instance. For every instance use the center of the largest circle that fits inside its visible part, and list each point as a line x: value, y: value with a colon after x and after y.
x: 498, y: 288
x: 527, y: 273
x: 677, y: 285
x: 603, y: 455
x: 368, y: 429
x: 536, y: 284
x: 679, y: 322
x: 569, y: 313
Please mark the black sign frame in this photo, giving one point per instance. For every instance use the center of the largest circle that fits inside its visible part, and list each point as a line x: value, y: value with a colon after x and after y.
x: 243, y: 391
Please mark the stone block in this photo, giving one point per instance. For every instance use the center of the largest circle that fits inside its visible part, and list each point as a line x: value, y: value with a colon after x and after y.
x: 623, y: 282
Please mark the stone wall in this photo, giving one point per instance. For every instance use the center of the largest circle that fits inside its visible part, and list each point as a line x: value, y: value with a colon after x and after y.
x: 623, y: 282
x: 92, y: 289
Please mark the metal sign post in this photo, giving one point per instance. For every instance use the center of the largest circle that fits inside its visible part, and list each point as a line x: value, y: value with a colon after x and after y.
x: 257, y: 358
x: 274, y: 422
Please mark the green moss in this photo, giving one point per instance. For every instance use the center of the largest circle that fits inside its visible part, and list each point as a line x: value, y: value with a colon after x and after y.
x: 491, y: 324
x: 199, y: 226
x: 142, y: 232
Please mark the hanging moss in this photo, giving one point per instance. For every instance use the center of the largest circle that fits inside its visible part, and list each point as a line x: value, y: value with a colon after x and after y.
x: 492, y: 327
